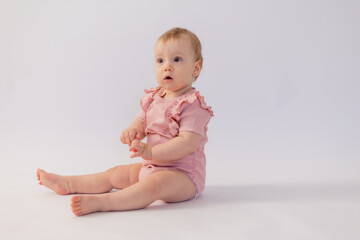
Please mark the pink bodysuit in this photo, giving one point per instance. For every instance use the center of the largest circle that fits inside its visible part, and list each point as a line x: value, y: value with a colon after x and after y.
x: 164, y: 119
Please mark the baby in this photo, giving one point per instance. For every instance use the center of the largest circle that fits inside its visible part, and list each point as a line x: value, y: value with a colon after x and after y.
x: 174, y: 118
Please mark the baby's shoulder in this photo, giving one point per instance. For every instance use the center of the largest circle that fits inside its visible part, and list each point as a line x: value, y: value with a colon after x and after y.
x: 194, y: 102
x: 149, y: 96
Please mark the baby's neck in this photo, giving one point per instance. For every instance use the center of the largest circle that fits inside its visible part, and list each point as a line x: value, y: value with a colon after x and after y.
x: 169, y: 95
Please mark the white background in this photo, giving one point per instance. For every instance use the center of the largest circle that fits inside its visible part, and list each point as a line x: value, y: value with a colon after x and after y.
x: 282, y: 78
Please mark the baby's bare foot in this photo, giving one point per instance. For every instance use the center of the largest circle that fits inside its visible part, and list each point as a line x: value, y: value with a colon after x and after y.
x: 85, y: 204
x: 55, y: 182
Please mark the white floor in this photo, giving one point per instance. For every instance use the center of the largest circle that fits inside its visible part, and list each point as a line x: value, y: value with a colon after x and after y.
x: 326, y: 210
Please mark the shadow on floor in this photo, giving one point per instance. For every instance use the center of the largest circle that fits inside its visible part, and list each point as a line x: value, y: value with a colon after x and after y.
x: 215, y: 195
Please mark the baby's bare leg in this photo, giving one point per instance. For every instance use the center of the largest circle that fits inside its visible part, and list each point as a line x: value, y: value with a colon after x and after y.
x: 169, y: 186
x: 117, y: 177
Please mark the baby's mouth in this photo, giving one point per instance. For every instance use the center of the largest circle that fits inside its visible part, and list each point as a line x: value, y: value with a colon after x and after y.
x: 168, y: 78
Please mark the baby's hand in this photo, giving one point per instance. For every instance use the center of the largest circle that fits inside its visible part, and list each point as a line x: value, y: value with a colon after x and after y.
x: 140, y: 150
x: 128, y: 135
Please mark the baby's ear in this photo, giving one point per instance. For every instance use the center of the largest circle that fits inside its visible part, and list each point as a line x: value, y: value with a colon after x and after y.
x: 198, y: 67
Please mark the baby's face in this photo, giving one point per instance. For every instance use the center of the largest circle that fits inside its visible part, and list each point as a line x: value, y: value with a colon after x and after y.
x: 175, y: 65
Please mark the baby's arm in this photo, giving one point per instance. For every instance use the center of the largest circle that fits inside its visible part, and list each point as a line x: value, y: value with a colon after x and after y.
x: 179, y: 147
x: 134, y: 131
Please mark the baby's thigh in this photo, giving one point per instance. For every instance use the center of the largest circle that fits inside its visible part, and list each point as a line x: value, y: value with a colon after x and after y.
x: 173, y: 186
x: 123, y: 176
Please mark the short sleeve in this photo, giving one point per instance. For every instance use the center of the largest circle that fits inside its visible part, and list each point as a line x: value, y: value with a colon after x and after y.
x: 194, y: 118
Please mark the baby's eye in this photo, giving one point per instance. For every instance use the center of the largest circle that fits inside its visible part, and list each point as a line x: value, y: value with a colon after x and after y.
x: 177, y: 59
x: 159, y: 60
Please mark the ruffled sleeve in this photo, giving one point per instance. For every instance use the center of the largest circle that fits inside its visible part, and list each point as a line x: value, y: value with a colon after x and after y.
x: 190, y: 114
x: 146, y: 100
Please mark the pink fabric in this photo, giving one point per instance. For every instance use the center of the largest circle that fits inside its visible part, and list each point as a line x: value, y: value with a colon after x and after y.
x: 164, y: 119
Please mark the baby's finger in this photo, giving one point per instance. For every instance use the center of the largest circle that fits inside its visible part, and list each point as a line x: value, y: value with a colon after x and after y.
x: 134, y: 155
x: 135, y: 143
x: 122, y: 138
x: 132, y: 149
x: 132, y: 135
x: 127, y: 138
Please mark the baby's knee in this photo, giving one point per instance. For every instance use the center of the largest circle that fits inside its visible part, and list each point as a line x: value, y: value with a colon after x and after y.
x: 110, y: 172
x: 116, y: 177
x: 123, y: 176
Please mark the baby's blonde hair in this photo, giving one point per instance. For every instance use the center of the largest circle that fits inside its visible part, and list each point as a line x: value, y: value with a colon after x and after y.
x: 176, y: 33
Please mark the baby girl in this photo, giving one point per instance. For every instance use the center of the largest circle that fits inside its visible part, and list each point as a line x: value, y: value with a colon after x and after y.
x: 174, y: 118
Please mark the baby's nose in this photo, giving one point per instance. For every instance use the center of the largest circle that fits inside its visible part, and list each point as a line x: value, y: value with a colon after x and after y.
x: 167, y: 67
